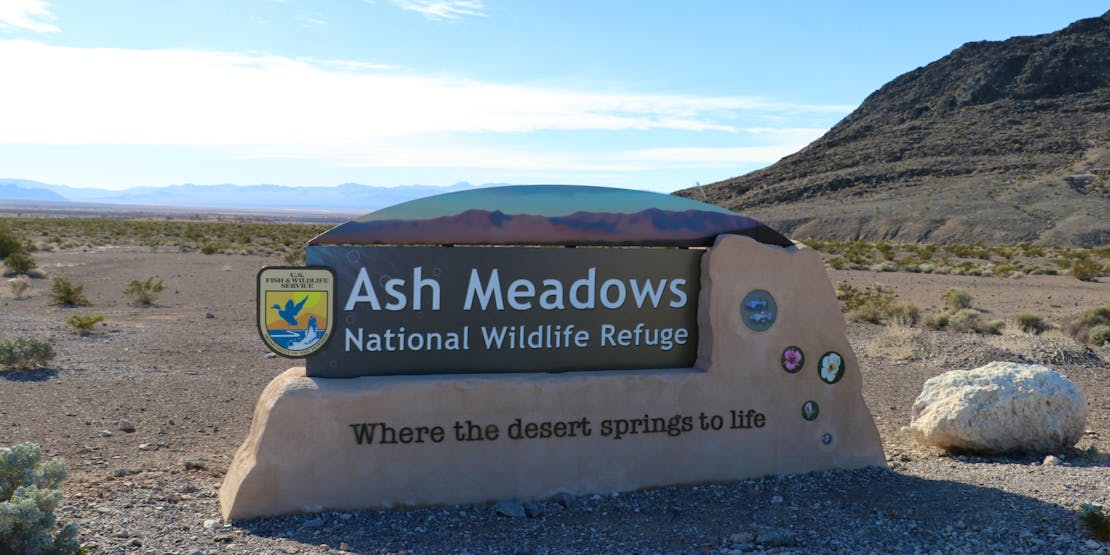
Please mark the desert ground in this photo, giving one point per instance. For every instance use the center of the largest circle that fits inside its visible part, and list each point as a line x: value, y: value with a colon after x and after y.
x: 183, y: 376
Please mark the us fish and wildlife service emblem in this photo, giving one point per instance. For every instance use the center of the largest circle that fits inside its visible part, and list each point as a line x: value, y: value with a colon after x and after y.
x: 295, y: 309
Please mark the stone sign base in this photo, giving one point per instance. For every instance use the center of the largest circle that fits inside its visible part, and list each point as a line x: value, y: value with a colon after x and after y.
x: 774, y: 391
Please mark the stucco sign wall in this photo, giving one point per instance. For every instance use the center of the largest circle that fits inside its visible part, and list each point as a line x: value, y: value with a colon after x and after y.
x: 474, y: 358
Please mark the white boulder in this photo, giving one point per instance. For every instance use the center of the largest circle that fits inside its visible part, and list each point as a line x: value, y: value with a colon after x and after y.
x: 1002, y: 407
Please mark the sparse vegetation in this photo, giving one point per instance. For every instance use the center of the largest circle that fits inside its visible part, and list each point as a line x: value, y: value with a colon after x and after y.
x: 1031, y: 323
x: 20, y: 287
x: 211, y: 237
x: 24, y: 354
x: 83, y: 323
x: 19, y: 262
x: 1079, y: 327
x: 144, y: 293
x: 964, y: 259
x: 65, y: 293
x: 29, y: 494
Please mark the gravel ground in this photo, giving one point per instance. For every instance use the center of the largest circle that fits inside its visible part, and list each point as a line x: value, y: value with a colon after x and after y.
x: 183, y: 377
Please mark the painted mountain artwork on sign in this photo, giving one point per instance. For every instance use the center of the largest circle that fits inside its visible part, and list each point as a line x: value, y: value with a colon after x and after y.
x: 549, y: 215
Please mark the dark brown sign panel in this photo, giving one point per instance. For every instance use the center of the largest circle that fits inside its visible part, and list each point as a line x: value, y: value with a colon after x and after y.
x: 421, y: 310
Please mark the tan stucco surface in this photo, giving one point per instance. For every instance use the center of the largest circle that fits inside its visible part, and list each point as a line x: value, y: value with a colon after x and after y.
x: 301, y: 453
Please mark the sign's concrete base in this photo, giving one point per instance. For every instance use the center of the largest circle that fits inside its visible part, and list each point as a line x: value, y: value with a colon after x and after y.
x: 752, y: 406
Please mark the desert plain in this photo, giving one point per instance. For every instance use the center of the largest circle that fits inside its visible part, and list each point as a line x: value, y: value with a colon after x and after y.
x: 149, y: 409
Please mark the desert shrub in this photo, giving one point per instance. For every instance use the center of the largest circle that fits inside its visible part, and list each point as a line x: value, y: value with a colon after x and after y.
x: 1079, y: 327
x: 936, y: 321
x: 23, y: 354
x: 970, y: 321
x: 956, y: 299
x: 213, y: 247
x: 19, y: 262
x: 1096, y: 521
x: 295, y: 256
x: 1031, y: 323
x: 83, y: 323
x: 1099, y: 335
x: 144, y: 292
x: 10, y: 243
x: 29, y: 495
x: 845, y: 291
x: 64, y: 292
x: 20, y: 287
x: 1085, y: 269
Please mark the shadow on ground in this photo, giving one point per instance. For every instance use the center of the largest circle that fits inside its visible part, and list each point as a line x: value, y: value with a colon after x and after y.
x: 36, y: 375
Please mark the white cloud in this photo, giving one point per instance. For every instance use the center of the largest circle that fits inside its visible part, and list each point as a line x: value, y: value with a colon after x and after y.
x: 118, y: 96
x: 28, y: 15
x: 310, y: 21
x: 444, y: 9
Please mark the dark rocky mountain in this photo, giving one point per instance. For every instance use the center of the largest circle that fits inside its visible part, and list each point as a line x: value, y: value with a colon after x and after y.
x: 999, y: 142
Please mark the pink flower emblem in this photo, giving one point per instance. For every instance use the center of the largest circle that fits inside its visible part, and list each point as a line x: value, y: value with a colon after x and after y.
x: 792, y: 359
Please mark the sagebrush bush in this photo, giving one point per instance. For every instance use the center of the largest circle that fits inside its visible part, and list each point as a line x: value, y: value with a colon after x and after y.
x: 1099, y: 335
x: 1079, y: 327
x: 83, y: 323
x: 19, y: 262
x: 1031, y: 323
x: 144, y: 292
x: 23, y: 354
x: 956, y: 299
x: 29, y: 495
x: 64, y: 292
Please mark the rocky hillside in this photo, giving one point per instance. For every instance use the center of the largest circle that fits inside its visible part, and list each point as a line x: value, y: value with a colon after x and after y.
x: 999, y: 142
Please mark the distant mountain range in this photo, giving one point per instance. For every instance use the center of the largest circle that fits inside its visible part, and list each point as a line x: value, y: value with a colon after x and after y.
x: 999, y: 142
x: 349, y: 197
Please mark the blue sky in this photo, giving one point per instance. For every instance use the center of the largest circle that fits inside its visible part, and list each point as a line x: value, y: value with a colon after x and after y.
x: 648, y: 94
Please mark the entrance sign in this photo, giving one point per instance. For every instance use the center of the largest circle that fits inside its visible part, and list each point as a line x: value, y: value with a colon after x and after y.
x: 406, y: 310
x: 474, y: 358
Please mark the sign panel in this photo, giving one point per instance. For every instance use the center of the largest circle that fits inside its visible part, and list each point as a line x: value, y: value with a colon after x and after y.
x: 420, y: 310
x: 296, y: 309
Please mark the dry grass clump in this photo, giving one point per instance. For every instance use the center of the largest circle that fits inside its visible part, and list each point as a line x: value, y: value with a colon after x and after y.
x: 897, y: 342
x: 1080, y: 327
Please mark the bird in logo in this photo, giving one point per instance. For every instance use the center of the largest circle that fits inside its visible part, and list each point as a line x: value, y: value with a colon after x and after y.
x: 289, y: 314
